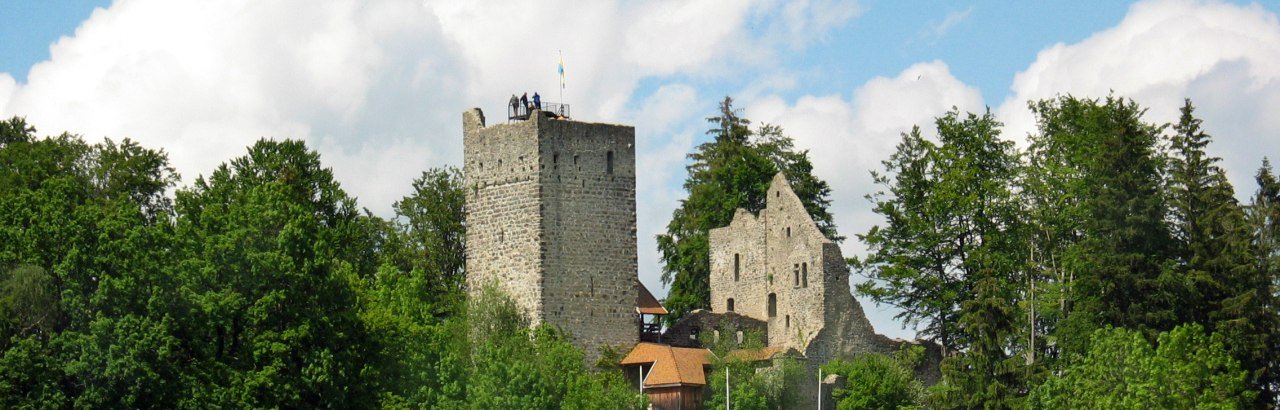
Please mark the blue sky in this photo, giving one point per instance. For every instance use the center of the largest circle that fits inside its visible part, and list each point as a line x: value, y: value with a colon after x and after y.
x: 377, y: 86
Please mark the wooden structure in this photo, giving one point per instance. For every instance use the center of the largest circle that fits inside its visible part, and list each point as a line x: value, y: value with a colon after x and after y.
x: 673, y: 377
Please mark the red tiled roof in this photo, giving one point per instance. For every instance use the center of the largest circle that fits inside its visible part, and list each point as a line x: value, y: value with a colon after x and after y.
x: 671, y: 365
x: 647, y: 304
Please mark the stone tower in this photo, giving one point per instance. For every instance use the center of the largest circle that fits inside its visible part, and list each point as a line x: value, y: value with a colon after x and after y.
x: 551, y: 221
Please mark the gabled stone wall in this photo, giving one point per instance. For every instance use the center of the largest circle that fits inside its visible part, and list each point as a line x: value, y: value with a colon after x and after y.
x: 781, y: 254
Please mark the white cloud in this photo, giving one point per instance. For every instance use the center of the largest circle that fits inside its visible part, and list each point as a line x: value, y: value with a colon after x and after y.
x: 847, y: 138
x: 377, y: 87
x: 1226, y: 58
x: 939, y: 29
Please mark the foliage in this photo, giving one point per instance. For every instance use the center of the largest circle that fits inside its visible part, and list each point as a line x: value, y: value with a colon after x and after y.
x: 731, y: 171
x: 769, y: 384
x: 1186, y: 369
x: 949, y: 214
x: 984, y: 375
x: 877, y: 381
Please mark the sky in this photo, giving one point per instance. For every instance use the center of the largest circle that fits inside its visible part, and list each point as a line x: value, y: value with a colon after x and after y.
x: 378, y: 87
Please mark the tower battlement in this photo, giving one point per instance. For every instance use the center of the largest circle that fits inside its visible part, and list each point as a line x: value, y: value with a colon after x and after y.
x: 551, y: 221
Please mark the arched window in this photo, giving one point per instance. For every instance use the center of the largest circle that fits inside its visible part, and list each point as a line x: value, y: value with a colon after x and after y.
x: 773, y: 305
x: 804, y: 274
x: 608, y: 163
x: 737, y: 267
x: 729, y: 305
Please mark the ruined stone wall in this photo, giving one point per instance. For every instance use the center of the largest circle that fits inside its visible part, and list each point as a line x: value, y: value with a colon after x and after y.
x: 780, y: 256
x: 782, y: 252
x: 551, y: 222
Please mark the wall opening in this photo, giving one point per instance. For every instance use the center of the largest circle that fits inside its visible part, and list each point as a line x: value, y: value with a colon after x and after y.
x: 555, y: 161
x: 804, y: 274
x: 795, y: 275
x: 729, y: 305
x: 773, y: 305
x: 608, y: 163
x: 788, y: 321
x: 737, y: 266
x: 788, y: 231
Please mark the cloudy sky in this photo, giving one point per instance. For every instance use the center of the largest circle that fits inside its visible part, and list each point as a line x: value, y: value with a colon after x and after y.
x: 378, y: 87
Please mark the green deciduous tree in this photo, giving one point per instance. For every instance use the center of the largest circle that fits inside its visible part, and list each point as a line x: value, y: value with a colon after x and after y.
x: 731, y: 171
x: 949, y: 213
x: 1186, y: 369
x: 877, y: 381
x: 266, y: 271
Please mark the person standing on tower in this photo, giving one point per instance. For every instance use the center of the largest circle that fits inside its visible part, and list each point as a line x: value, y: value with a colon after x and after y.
x: 537, y: 101
x: 515, y: 106
x: 524, y: 101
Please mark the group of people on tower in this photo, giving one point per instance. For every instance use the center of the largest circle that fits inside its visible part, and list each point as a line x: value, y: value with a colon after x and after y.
x: 523, y: 101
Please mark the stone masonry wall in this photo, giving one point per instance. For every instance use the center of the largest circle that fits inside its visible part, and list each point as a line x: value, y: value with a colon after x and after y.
x: 551, y: 221
x: 589, y: 223
x: 504, y: 236
x: 782, y: 253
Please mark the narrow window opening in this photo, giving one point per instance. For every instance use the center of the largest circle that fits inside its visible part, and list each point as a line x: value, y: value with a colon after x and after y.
x: 795, y: 275
x: 729, y: 304
x: 788, y: 231
x: 804, y: 274
x: 773, y: 305
x: 788, y: 321
x: 555, y: 161
x: 591, y: 285
x: 608, y: 163
x: 737, y: 266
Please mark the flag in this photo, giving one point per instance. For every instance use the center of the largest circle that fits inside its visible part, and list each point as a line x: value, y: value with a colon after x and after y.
x: 561, y: 70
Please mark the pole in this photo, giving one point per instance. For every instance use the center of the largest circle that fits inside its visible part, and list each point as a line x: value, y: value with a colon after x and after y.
x: 726, y: 388
x: 640, y: 369
x: 819, y: 388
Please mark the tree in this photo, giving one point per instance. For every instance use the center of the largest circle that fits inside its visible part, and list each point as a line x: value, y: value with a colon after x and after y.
x: 1186, y: 369
x: 514, y: 366
x: 949, y: 214
x: 1231, y: 294
x: 265, y: 267
x: 431, y: 223
x: 1118, y: 256
x: 731, y: 171
x: 753, y: 384
x: 1263, y: 215
x: 84, y: 235
x: 985, y: 375
x: 877, y: 381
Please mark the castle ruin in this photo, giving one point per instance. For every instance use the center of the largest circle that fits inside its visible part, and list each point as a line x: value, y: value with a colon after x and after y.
x: 551, y: 222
